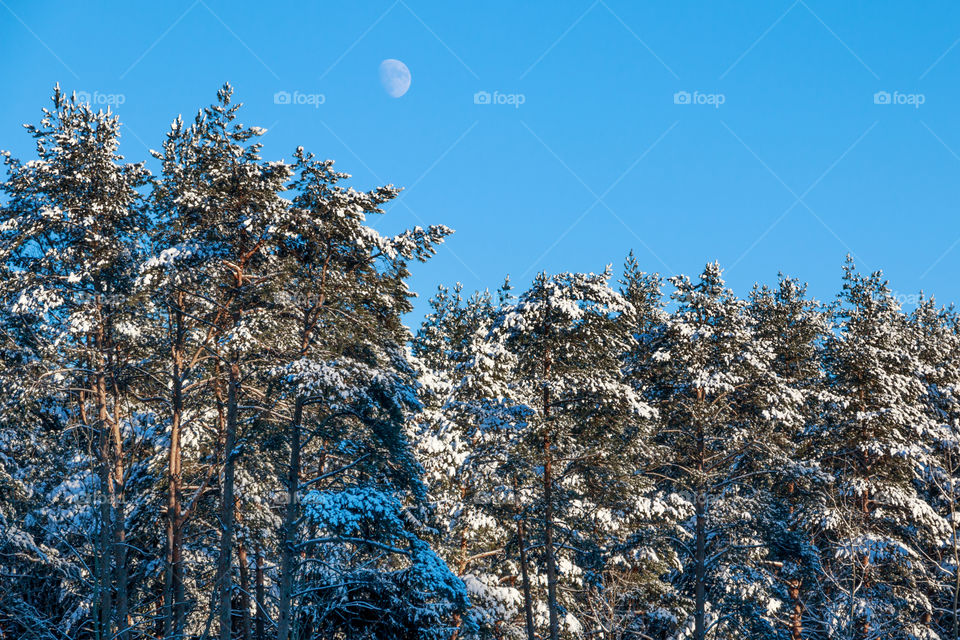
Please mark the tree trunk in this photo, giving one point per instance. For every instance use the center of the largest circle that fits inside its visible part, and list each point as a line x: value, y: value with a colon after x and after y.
x: 700, y: 595
x: 287, y: 557
x: 548, y: 525
x: 261, y: 594
x: 111, y: 453
x: 796, y: 615
x: 548, y: 541
x: 525, y: 578
x: 548, y: 505
x: 700, y: 557
x: 123, y: 621
x: 244, y: 592
x: 864, y: 629
x: 173, y: 592
x: 106, y: 513
x: 955, y: 549
x: 227, y: 507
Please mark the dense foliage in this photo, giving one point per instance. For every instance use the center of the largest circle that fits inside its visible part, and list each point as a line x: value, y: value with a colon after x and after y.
x: 214, y: 423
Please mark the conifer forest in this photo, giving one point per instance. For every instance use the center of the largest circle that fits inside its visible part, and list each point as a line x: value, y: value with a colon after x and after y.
x: 215, y: 424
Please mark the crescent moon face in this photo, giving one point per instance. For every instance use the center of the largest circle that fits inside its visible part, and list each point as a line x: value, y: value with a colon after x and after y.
x: 395, y: 77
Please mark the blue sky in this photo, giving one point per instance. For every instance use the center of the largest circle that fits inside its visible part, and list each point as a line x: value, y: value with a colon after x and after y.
x: 797, y: 166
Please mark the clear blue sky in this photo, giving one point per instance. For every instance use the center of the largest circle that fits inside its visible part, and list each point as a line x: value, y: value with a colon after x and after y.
x: 795, y: 168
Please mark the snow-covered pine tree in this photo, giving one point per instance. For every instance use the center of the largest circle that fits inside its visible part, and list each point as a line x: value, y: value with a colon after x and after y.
x: 874, y: 518
x: 638, y: 598
x: 220, y: 205
x: 720, y: 402
x: 937, y: 342
x: 344, y: 389
x: 465, y: 439
x: 71, y: 231
x: 568, y: 346
x: 793, y: 328
x: 31, y: 440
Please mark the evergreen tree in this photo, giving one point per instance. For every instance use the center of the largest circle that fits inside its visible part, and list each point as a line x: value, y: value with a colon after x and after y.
x: 582, y: 411
x: 466, y: 438
x: 71, y: 231
x: 345, y: 394
x: 938, y: 351
x: 871, y: 441
x: 794, y: 328
x: 720, y: 401
x: 221, y: 205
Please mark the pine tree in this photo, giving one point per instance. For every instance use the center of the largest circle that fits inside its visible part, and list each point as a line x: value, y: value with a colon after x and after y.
x: 937, y: 345
x: 465, y: 439
x: 581, y: 410
x: 874, y: 518
x: 71, y: 231
x: 794, y: 328
x: 347, y: 383
x: 222, y: 204
x: 719, y: 400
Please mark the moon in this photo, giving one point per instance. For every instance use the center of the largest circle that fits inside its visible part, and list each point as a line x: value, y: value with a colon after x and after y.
x: 395, y: 77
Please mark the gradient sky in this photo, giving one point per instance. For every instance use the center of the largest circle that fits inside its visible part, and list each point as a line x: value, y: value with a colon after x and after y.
x: 797, y: 167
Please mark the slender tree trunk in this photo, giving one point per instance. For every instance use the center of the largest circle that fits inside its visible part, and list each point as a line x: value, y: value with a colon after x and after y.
x: 548, y: 541
x: 261, y: 594
x: 955, y: 547
x: 244, y: 591
x: 864, y: 629
x: 288, y: 550
x: 548, y: 512
x: 227, y: 504
x: 700, y: 552
x: 865, y: 563
x: 796, y: 615
x: 549, y: 550
x: 111, y: 451
x: 525, y: 579
x: 119, y: 519
x: 122, y: 575
x: 700, y: 594
x: 106, y: 512
x: 173, y: 592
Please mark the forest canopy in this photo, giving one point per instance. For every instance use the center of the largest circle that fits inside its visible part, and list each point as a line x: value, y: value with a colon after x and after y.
x: 215, y: 423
